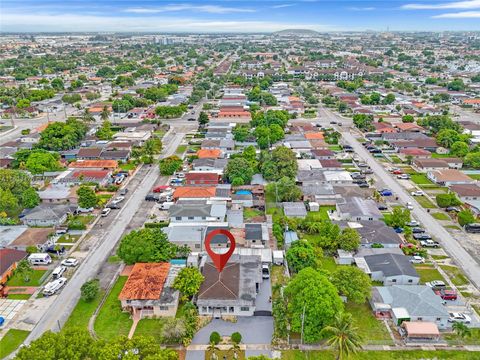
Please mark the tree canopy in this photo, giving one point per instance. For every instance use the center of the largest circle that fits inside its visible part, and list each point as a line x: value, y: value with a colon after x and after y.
x: 146, y: 245
x: 313, y: 297
x: 188, y: 282
x: 281, y: 162
x: 62, y: 136
x: 352, y: 282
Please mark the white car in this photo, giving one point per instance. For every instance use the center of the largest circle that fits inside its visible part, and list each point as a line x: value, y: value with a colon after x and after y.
x: 417, y: 193
x: 460, y: 317
x: 409, y: 206
x: 72, y: 262
x: 106, y: 211
x: 417, y: 260
x: 436, y: 284
x: 118, y: 200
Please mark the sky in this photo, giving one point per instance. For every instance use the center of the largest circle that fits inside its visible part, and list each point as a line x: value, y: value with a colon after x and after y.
x: 236, y: 16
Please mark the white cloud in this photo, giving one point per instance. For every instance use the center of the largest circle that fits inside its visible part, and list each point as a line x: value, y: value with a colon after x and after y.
x: 459, y: 15
x: 25, y: 22
x: 211, y: 9
x: 468, y: 4
x: 355, y: 8
x: 281, y: 6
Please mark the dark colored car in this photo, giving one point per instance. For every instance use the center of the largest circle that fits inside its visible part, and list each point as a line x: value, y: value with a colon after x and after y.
x: 417, y: 230
x: 421, y: 236
x: 152, y: 197
x: 382, y: 207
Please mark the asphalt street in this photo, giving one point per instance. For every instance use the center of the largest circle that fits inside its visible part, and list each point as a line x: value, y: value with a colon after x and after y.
x: 461, y: 257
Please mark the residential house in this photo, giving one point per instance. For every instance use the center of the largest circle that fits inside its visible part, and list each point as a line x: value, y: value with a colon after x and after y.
x: 94, y: 164
x: 469, y: 194
x: 256, y: 235
x: 194, y: 192
x: 9, y: 258
x: 390, y: 269
x: 409, y: 303
x: 448, y: 177
x: 197, y: 212
x: 233, y: 291
x: 58, y: 194
x: 89, y: 153
x: 47, y: 215
x: 210, y: 165
x: 357, y: 209
x: 39, y: 238
x: 373, y: 233
x: 295, y: 209
x: 148, y: 291
x: 201, y: 178
x: 425, y: 165
x: 209, y: 153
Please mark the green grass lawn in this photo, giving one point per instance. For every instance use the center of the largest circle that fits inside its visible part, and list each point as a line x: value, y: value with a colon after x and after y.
x: 226, y: 355
x: 395, y: 159
x: 425, y: 202
x: 111, y: 321
x: 335, y: 147
x: 35, y: 279
x: 473, y: 339
x: 66, y: 238
x: 428, y: 273
x: 249, y: 213
x: 19, y: 296
x: 151, y: 327
x: 181, y: 149
x: 368, y: 325
x: 414, y: 354
x: 441, y: 216
x: 455, y: 275
x: 453, y: 227
x: 11, y: 341
x: 114, y: 259
x: 420, y: 179
x: 328, y: 263
x: 321, y: 214
x: 82, y: 313
x: 474, y: 176
x: 128, y: 166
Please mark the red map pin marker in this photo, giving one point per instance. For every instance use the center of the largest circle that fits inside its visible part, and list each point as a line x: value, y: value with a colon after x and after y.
x: 220, y: 260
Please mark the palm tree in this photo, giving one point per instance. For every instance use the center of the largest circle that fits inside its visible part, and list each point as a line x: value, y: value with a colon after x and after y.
x: 343, y: 336
x: 212, y: 347
x: 87, y: 117
x: 461, y: 329
x: 105, y: 113
x: 235, y: 349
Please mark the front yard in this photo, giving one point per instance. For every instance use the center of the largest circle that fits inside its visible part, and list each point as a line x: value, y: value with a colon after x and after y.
x: 425, y: 202
x: 82, y: 313
x: 455, y: 274
x: 420, y: 179
x: 369, y: 327
x: 11, y: 341
x: 35, y: 279
x: 428, y: 273
x: 111, y: 321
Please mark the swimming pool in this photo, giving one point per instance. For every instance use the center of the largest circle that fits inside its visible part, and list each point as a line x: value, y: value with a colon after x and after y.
x: 243, y: 192
x: 178, y: 262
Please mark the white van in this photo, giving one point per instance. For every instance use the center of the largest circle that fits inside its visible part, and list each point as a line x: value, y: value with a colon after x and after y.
x: 58, y: 271
x: 54, y: 286
x: 39, y: 259
x: 166, y: 205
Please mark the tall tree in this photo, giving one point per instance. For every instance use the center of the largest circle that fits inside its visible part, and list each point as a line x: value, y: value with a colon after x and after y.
x: 353, y: 283
x: 343, y: 336
x: 86, y: 197
x: 188, y: 282
x: 24, y: 270
x: 312, y: 303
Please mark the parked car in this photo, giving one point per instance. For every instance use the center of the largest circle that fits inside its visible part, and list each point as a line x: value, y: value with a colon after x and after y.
x: 152, y: 197
x: 386, y: 192
x: 413, y: 223
x: 166, y: 205
x: 459, y: 317
x: 70, y: 262
x: 398, y: 230
x: 366, y: 171
x: 421, y: 236
x: 403, y: 176
x: 447, y: 294
x: 418, y: 230
x: 265, y: 271
x: 429, y: 243
x: 452, y: 209
x: 80, y: 210
x: 409, y: 205
x: 123, y: 191
x: 118, y: 200
x: 113, y: 206
x: 364, y: 184
x: 436, y: 284
x: 382, y: 207
x: 58, y: 271
x: 417, y: 193
x: 106, y: 211
x: 54, y: 286
x: 397, y: 172
x: 417, y: 260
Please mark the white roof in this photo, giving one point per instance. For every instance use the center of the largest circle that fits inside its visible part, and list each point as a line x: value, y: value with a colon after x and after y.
x: 400, y: 313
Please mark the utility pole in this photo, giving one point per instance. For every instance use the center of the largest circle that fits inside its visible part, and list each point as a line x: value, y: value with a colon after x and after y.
x: 303, y: 322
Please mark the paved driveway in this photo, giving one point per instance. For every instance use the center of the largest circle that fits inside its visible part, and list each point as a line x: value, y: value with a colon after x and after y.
x: 254, y: 330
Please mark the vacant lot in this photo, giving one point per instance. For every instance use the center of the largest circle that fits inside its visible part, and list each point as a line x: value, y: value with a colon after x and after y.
x: 368, y: 325
x: 428, y: 273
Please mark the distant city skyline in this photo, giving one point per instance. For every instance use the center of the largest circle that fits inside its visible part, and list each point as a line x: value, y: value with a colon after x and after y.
x: 237, y: 16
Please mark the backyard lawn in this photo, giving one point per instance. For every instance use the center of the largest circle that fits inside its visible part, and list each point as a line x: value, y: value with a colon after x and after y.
x: 321, y: 214
x: 249, y: 213
x: 111, y: 321
x: 428, y: 273
x: 66, y: 238
x: 329, y: 264
x: 420, y: 179
x: 13, y: 296
x: 440, y: 216
x: 455, y: 275
x: 35, y: 279
x: 11, y: 341
x: 82, y: 313
x: 368, y: 325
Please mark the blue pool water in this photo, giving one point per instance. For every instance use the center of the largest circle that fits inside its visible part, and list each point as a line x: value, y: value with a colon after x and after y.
x: 178, y: 262
x: 244, y: 192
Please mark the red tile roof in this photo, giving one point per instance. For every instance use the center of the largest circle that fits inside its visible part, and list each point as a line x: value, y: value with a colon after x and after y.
x: 112, y: 164
x: 194, y: 192
x: 145, y: 281
x: 208, y: 153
